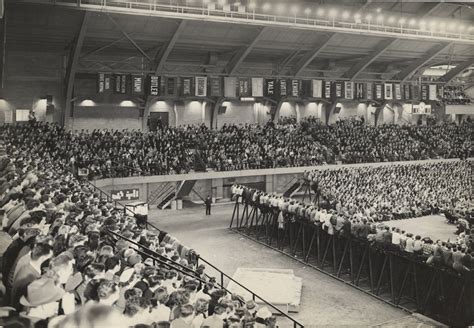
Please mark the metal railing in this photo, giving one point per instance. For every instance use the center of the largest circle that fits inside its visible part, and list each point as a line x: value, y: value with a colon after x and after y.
x: 168, y: 9
x: 180, y: 268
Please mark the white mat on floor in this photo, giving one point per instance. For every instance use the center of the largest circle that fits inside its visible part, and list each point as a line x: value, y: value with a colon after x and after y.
x: 279, y: 287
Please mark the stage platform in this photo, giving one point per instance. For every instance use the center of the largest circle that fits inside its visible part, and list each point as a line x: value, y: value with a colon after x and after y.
x: 433, y: 226
x: 277, y: 286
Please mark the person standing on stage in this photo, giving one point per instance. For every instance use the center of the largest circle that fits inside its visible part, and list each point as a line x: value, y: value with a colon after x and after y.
x: 208, y: 203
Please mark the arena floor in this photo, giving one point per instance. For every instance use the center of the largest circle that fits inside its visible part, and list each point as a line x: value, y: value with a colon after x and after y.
x: 325, y: 301
x: 433, y: 226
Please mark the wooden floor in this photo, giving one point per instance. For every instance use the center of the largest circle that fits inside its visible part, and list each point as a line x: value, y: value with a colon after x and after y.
x: 433, y: 226
x: 325, y: 301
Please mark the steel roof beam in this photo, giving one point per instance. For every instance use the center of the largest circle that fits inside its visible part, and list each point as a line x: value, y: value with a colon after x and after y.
x: 239, y: 57
x: 164, y: 52
x: 312, y: 54
x: 408, y: 71
x: 362, y: 64
x: 453, y: 72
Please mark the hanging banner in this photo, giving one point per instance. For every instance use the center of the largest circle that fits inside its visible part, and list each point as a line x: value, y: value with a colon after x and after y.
x: 171, y: 86
x: 432, y: 94
x: 257, y: 87
x: 295, y: 88
x: 186, y: 86
x: 230, y: 86
x: 201, y: 86
x: 108, y: 82
x: 359, y: 91
x: 378, y: 91
x: 283, y: 88
x: 339, y: 89
x: 415, y: 92
x: 100, y: 82
x: 398, y: 92
x: 270, y: 88
x: 244, y: 87
x: 216, y: 86
x: 317, y: 88
x: 406, y: 92
x: 123, y: 87
x: 153, y: 85
x: 137, y: 85
x: 327, y: 89
x: 424, y: 92
x: 369, y: 91
x: 118, y: 83
x: 440, y: 92
x: 349, y: 90
x: 388, y: 91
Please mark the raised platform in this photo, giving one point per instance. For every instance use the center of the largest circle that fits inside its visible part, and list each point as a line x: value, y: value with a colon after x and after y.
x: 277, y: 286
x: 433, y: 226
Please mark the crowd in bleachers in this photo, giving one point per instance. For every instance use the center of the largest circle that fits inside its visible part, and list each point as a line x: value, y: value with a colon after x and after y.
x: 63, y: 266
x: 112, y: 153
x: 355, y: 202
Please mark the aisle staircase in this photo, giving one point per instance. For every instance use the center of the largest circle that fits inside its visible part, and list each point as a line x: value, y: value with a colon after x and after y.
x: 167, y: 192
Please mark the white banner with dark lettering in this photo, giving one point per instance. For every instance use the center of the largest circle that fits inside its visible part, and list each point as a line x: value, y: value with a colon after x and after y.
x: 257, y: 87
x: 201, y: 86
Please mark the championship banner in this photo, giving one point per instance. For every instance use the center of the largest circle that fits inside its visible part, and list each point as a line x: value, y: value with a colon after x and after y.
x: 432, y: 94
x: 108, y: 82
x: 270, y: 88
x: 186, y: 86
x: 244, y: 87
x: 306, y: 88
x: 230, y: 86
x: 283, y: 88
x: 317, y: 88
x: 388, y: 91
x: 216, y: 86
x: 201, y: 86
x: 424, y: 92
x: 406, y: 92
x: 398, y: 92
x: 295, y: 88
x: 153, y: 85
x: 118, y: 83
x: 415, y: 92
x: 349, y: 90
x: 257, y: 87
x: 339, y: 92
x: 137, y: 85
x: 101, y: 83
x: 378, y: 91
x: 171, y: 86
x: 369, y: 91
x: 123, y: 87
x: 440, y: 90
x: 359, y: 91
x: 327, y: 89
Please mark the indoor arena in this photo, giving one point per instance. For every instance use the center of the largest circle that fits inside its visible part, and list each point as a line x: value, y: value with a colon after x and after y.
x: 236, y: 163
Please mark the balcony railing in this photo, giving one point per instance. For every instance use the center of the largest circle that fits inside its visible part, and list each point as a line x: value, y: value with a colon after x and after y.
x: 182, y: 11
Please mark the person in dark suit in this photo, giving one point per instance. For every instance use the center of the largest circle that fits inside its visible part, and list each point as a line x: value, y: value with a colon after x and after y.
x: 208, y: 203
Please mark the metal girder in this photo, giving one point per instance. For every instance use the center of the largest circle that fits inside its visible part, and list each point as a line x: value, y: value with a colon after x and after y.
x: 164, y: 52
x: 239, y: 57
x: 72, y: 65
x: 365, y: 5
x: 428, y: 8
x: 125, y: 34
x: 360, y: 65
x: 405, y: 73
x: 310, y: 55
x: 453, y: 72
x: 96, y: 50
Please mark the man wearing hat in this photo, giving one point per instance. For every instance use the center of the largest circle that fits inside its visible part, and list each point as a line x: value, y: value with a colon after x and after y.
x: 42, y: 299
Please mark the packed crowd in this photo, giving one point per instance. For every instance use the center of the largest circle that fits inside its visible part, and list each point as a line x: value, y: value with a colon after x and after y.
x: 112, y: 153
x: 63, y: 266
x: 356, y: 201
